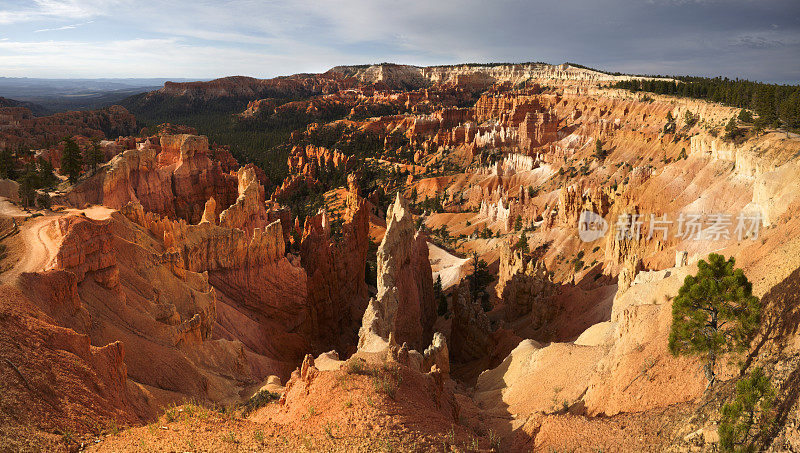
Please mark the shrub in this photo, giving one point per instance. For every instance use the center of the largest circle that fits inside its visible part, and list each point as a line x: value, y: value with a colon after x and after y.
x: 690, y: 119
x: 260, y: 399
x: 171, y: 413
x: 599, y: 152
x: 230, y: 438
x: 357, y: 366
x: 258, y: 436
x: 387, y: 380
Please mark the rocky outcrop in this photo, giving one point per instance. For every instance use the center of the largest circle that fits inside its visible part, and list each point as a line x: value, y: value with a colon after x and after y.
x: 404, y: 305
x: 774, y: 191
x: 525, y: 287
x: 437, y: 355
x: 86, y: 249
x: 9, y: 189
x: 174, y: 178
x: 638, y: 372
x: 537, y: 129
x: 117, y: 282
x: 18, y: 127
x: 56, y: 293
x: 53, y: 377
x: 574, y: 199
x: 310, y: 160
x: 631, y: 265
x: 262, y: 296
x: 538, y: 379
x: 470, y: 332
x: 497, y: 212
x: 249, y: 211
x: 472, y: 77
x: 239, y: 87
x: 334, y: 261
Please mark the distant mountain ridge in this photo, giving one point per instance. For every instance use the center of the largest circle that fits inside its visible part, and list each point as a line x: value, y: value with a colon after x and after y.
x: 59, y: 95
x: 34, y: 108
x: 408, y: 76
x: 234, y: 92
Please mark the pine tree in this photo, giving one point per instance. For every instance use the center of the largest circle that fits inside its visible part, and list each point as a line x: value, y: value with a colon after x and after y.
x: 715, y: 312
x: 444, y: 233
x: 7, y: 164
x: 480, y: 277
x: 599, y: 152
x: 94, y: 156
x: 670, y: 127
x: 28, y: 183
x: 46, y: 177
x: 790, y: 110
x: 522, y: 243
x: 731, y: 129
x: 71, y: 160
x: 439, y: 296
x: 751, y: 406
x: 43, y: 200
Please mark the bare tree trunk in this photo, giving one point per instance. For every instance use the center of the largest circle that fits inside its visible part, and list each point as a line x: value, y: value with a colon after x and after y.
x: 709, y: 370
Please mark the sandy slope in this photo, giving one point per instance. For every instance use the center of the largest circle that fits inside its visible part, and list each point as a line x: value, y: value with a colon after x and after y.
x: 450, y: 267
x: 38, y: 237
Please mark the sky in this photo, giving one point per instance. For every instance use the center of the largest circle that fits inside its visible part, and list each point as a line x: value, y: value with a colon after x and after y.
x: 203, y: 39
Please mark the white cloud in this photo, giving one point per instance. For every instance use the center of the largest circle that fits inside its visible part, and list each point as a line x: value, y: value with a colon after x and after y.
x: 58, y: 10
x: 65, y: 27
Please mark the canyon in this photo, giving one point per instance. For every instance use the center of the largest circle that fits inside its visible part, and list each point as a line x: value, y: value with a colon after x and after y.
x: 419, y: 280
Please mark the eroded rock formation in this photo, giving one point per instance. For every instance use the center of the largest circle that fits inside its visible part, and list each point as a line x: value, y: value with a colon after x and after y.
x: 18, y: 126
x: 404, y: 305
x: 173, y: 178
x: 334, y: 262
x: 470, y: 332
x: 525, y: 287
